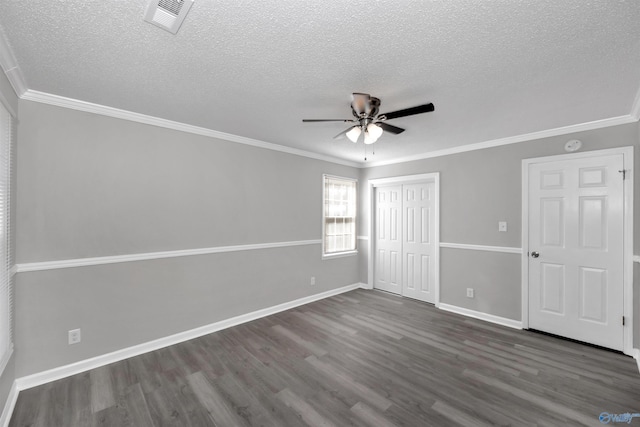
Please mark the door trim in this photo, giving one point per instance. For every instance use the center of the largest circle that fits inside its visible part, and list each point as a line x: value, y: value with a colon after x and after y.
x: 408, y: 179
x: 627, y: 154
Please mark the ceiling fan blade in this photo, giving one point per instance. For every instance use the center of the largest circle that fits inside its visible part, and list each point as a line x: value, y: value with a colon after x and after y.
x: 426, y: 108
x: 343, y: 133
x: 390, y: 128
x: 326, y: 120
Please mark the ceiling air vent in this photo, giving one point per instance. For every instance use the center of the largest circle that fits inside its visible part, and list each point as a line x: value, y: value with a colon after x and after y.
x: 167, y: 14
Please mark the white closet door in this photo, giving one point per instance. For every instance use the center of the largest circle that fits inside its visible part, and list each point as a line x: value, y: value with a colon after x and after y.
x: 576, y: 231
x: 418, y: 244
x: 388, y: 243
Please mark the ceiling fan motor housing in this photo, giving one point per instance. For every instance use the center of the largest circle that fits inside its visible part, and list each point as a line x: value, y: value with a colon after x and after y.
x: 364, y: 105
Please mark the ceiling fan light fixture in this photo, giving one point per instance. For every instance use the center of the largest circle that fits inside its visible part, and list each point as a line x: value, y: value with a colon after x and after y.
x: 368, y: 138
x: 354, y: 134
x: 374, y: 130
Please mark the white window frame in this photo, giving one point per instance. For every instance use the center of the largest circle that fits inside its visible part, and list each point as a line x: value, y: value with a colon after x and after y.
x: 348, y: 252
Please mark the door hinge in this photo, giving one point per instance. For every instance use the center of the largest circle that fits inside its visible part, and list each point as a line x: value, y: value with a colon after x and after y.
x: 624, y: 173
x: 622, y: 320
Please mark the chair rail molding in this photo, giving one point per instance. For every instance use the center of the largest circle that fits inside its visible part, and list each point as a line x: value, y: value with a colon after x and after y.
x: 83, y: 262
x: 503, y: 249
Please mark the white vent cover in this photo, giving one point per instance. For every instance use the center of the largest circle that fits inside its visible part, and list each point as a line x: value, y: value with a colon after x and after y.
x: 167, y: 14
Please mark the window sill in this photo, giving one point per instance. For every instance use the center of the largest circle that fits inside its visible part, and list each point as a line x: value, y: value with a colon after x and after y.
x: 340, y: 254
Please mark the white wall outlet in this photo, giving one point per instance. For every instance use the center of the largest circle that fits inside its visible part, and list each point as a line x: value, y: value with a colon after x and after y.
x: 74, y: 336
x: 313, y: 280
x: 469, y: 292
x: 502, y: 226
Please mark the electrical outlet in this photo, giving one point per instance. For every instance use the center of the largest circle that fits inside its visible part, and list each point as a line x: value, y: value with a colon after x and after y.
x: 502, y: 226
x: 469, y: 292
x: 313, y: 280
x: 74, y: 336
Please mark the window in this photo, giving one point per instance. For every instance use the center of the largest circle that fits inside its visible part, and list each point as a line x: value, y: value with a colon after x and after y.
x: 6, y: 345
x: 339, y: 216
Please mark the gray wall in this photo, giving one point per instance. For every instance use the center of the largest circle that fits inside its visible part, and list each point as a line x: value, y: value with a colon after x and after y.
x: 94, y: 186
x: 9, y: 374
x: 97, y: 186
x: 480, y: 188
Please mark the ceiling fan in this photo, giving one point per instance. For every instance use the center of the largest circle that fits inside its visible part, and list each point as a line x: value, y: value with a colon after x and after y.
x: 368, y: 122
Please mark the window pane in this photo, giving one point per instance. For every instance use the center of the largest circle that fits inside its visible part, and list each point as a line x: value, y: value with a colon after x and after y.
x: 340, y: 214
x: 330, y: 245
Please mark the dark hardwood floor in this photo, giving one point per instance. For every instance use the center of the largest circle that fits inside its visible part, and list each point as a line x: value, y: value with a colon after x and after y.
x: 363, y: 358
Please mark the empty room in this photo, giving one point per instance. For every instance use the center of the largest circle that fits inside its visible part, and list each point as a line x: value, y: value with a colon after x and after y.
x: 290, y: 213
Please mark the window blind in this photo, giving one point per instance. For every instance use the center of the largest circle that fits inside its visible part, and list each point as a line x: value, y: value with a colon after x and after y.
x: 6, y: 304
x: 339, y: 215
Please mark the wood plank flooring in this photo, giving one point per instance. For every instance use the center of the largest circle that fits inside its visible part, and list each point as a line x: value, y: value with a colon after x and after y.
x: 364, y: 358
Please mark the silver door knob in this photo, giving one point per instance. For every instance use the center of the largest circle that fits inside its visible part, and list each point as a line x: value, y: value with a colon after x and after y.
x: 535, y: 254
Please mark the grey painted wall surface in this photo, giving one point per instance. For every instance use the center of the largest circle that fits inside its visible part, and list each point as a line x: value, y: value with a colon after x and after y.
x: 6, y: 381
x: 480, y: 188
x: 8, y: 375
x: 7, y: 92
x: 93, y: 186
x: 121, y: 305
x: 636, y: 299
x: 497, y: 294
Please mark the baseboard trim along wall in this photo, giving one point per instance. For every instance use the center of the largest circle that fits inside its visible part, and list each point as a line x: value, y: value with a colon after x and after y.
x: 515, y: 324
x: 54, y: 374
x: 83, y: 262
x: 504, y: 249
x: 636, y: 355
x: 9, y: 405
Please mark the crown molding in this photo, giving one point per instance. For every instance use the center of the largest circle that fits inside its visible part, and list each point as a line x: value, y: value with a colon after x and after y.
x: 89, y: 107
x: 10, y: 67
x: 597, y: 124
x: 60, y: 101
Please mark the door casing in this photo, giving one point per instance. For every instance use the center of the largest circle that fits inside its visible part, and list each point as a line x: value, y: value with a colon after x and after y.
x: 627, y: 153
x: 408, y: 179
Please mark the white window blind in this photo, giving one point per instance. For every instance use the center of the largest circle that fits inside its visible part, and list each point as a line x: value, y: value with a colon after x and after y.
x: 339, y: 215
x: 6, y: 345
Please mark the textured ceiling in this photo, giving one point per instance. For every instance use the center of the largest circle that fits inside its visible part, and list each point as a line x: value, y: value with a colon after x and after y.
x: 493, y: 69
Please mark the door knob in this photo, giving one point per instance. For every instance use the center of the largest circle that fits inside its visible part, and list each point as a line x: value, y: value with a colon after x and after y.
x: 535, y: 254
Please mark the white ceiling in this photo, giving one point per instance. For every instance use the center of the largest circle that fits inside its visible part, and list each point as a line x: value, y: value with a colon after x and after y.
x: 493, y: 69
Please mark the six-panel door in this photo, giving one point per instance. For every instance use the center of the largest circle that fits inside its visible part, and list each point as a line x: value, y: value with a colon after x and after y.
x: 418, y: 245
x: 388, y: 243
x: 576, y: 231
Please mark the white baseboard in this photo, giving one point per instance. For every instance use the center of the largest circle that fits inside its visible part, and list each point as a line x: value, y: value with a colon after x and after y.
x: 54, y: 374
x: 636, y: 355
x: 365, y: 286
x: 516, y: 324
x: 5, y: 417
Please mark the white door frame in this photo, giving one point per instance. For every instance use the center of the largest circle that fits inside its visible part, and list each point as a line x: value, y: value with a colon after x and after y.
x: 627, y: 153
x: 408, y: 179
